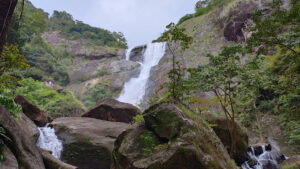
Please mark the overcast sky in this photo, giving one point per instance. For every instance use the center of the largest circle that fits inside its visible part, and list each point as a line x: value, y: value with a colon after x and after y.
x: 140, y: 20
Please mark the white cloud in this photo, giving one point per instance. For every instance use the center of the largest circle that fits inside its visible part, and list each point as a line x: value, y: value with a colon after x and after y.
x: 140, y: 20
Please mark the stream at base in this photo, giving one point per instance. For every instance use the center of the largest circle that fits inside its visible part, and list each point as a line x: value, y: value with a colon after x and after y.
x: 264, y: 157
x: 49, y: 141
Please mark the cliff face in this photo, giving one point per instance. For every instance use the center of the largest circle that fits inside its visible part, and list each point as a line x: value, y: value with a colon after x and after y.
x: 93, y: 67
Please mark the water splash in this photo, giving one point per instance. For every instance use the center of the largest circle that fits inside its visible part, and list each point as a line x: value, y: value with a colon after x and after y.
x: 261, y: 157
x: 135, y: 89
x: 49, y: 141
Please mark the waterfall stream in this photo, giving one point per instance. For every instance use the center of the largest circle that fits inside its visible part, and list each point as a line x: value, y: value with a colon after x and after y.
x: 134, y: 89
x: 49, y: 141
x: 264, y: 157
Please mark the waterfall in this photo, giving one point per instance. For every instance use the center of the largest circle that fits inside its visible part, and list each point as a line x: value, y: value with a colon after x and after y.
x: 262, y: 157
x: 49, y: 141
x: 134, y: 89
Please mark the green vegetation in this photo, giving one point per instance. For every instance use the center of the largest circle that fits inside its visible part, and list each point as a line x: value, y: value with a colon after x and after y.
x: 57, y: 103
x: 150, y: 141
x: 96, y: 94
x: 204, y: 7
x: 268, y: 81
x: 78, y: 30
x: 139, y: 119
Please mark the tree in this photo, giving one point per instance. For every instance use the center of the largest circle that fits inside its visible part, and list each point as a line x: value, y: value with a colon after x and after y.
x: 175, y: 38
x: 7, y: 8
x: 223, y: 75
x: 278, y: 36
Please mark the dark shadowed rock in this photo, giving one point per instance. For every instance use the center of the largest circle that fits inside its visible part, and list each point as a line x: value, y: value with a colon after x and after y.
x: 221, y: 129
x: 268, y: 147
x: 39, y: 117
x: 87, y: 142
x: 237, y: 21
x: 53, y: 163
x: 137, y: 53
x: 113, y: 110
x: 258, y: 150
x: 189, y: 144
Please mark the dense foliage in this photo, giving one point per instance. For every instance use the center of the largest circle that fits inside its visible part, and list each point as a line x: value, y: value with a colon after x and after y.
x: 269, y: 80
x: 96, y: 94
x: 44, y: 59
x: 78, y: 30
x: 61, y: 103
x: 202, y: 8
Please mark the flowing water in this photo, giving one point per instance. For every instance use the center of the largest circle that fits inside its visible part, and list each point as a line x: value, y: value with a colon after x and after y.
x: 49, y: 141
x: 262, y: 157
x: 134, y: 89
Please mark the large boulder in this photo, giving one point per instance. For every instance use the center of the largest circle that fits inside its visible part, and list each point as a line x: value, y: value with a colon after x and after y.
x: 169, y: 140
x: 87, y: 142
x: 291, y: 163
x: 29, y: 127
x: 220, y: 126
x: 113, y: 110
x: 39, y: 117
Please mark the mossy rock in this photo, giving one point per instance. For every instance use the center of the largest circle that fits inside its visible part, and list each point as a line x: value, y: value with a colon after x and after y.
x: 169, y: 140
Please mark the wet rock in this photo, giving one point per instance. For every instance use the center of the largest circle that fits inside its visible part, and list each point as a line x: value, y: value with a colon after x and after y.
x: 39, y: 117
x: 169, y: 140
x: 258, y: 150
x: 137, y: 53
x: 113, y: 110
x: 252, y: 162
x: 87, y: 142
x: 221, y: 129
x: 268, y: 147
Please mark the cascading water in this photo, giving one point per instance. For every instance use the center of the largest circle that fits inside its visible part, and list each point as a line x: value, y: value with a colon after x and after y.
x: 264, y: 157
x: 49, y: 141
x: 134, y: 90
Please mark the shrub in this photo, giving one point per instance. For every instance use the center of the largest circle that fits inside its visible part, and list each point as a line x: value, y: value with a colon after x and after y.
x: 57, y: 104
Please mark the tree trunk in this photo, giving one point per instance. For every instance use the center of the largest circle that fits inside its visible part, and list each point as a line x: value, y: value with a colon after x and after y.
x: 26, y: 152
x: 7, y: 8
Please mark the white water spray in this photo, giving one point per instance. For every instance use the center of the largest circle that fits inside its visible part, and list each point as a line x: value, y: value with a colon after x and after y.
x: 49, y: 141
x: 270, y: 159
x: 134, y: 90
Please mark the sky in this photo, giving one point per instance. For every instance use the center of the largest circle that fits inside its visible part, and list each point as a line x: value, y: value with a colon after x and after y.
x: 141, y: 21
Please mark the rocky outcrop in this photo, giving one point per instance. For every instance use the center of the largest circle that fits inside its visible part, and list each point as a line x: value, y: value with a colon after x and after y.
x: 113, y: 110
x: 87, y: 142
x: 291, y: 163
x: 29, y: 127
x: 220, y: 126
x: 39, y: 117
x: 137, y: 53
x: 238, y: 20
x: 19, y: 143
x: 169, y: 140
